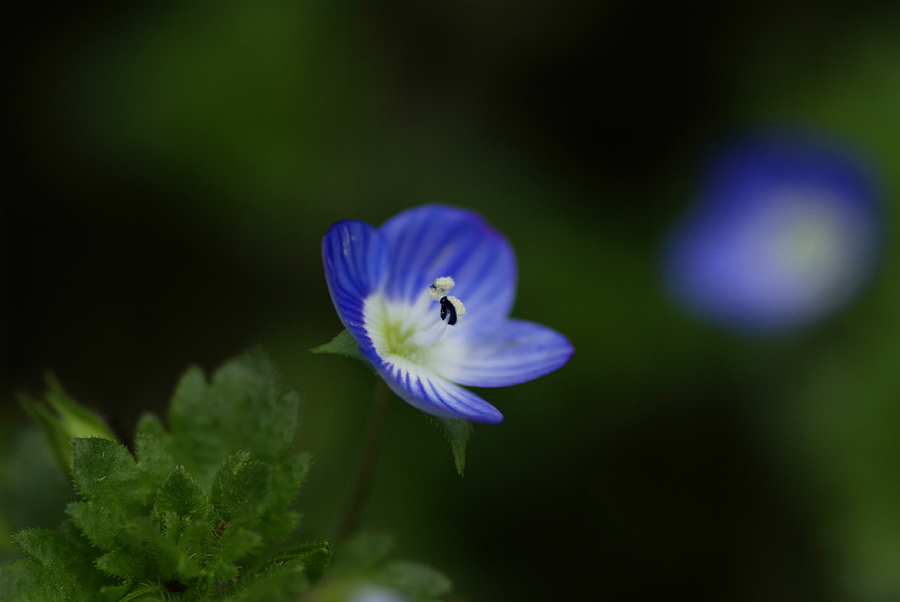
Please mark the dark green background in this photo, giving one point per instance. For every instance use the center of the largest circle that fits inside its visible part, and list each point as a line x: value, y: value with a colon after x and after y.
x: 171, y: 170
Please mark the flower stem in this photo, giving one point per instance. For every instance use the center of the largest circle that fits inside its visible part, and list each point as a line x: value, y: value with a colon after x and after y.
x: 353, y: 512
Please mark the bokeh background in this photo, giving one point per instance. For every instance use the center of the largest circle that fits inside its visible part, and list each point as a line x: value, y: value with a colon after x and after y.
x: 171, y: 170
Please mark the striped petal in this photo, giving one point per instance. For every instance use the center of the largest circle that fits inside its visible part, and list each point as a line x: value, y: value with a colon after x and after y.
x: 425, y: 390
x: 433, y: 241
x: 512, y: 352
x: 356, y: 267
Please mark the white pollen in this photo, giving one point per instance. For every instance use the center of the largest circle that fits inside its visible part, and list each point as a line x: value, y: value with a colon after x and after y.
x: 459, y: 307
x: 441, y: 287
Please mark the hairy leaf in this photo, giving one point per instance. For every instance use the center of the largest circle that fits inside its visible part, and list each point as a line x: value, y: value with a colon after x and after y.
x: 116, y: 491
x: 209, y: 422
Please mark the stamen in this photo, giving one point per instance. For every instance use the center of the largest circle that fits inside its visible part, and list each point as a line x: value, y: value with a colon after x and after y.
x: 452, y: 311
x: 454, y: 307
x: 441, y: 287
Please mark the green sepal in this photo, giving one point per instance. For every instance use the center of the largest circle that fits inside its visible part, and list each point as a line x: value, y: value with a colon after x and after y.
x: 343, y: 344
x: 457, y: 432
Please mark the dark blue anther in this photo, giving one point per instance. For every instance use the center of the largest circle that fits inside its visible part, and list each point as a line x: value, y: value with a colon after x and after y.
x: 448, y: 307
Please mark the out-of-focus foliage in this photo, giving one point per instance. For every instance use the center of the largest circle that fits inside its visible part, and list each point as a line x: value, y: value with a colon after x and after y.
x: 201, y: 512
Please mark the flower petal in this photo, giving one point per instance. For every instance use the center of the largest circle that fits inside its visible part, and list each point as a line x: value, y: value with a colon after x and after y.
x: 356, y: 266
x: 513, y: 352
x: 433, y: 241
x: 423, y: 389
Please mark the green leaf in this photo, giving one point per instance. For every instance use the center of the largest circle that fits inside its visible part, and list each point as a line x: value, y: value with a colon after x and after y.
x: 361, y: 553
x: 126, y: 564
x: 61, y: 569
x: 114, y: 489
x: 316, y: 556
x: 457, y: 433
x: 180, y: 496
x: 114, y: 593
x: 343, y: 344
x: 284, y: 482
x: 417, y: 580
x: 153, y: 459
x: 280, y: 581
x: 142, y: 593
x: 235, y: 484
x: 150, y: 424
x: 240, y: 409
x: 236, y: 543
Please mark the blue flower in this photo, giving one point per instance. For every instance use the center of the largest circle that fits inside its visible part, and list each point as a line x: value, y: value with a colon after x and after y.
x: 391, y: 288
x: 787, y: 230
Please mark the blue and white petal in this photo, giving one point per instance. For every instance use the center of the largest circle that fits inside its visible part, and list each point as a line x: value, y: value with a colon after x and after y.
x: 356, y: 267
x: 425, y: 390
x: 511, y: 352
x: 435, y: 241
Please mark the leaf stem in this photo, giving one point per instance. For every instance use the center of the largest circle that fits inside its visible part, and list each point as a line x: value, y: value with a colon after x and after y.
x: 353, y: 512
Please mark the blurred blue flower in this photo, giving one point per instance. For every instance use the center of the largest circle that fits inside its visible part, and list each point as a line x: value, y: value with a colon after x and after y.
x: 786, y: 231
x: 390, y: 287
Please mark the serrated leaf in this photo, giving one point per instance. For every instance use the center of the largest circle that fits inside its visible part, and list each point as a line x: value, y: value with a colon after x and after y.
x: 125, y: 564
x: 180, y: 496
x: 61, y: 569
x: 143, y: 592
x: 173, y: 561
x: 115, y: 593
x: 457, y: 433
x: 107, y: 477
x: 285, y: 480
x: 236, y: 543
x: 150, y: 424
x: 275, y: 527
x: 235, y: 484
x: 263, y: 508
x: 316, y: 556
x: 277, y: 582
x: 153, y: 461
x: 343, y: 344
x: 417, y: 580
x: 20, y: 581
x: 361, y: 553
x: 209, y: 422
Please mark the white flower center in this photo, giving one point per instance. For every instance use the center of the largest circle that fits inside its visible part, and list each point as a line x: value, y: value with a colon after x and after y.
x: 412, y: 331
